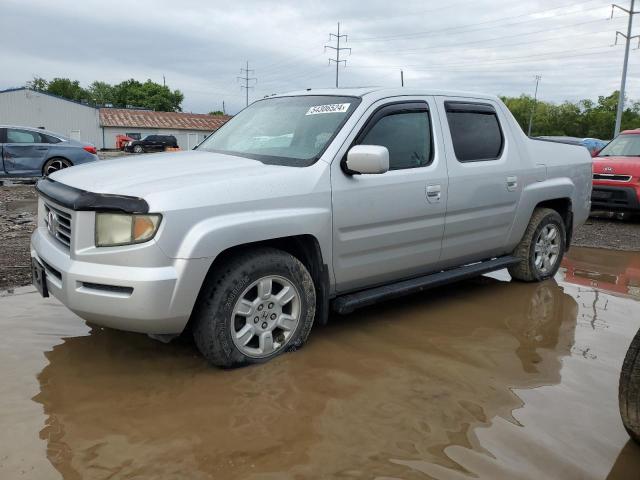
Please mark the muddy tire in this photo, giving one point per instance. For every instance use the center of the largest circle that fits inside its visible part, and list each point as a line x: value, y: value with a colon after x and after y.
x: 257, y: 305
x: 629, y: 389
x: 541, y: 249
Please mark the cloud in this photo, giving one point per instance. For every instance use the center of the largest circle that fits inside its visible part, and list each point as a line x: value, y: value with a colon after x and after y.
x: 494, y: 46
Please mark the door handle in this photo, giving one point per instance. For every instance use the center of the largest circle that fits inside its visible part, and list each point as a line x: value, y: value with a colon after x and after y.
x: 512, y: 183
x: 433, y: 193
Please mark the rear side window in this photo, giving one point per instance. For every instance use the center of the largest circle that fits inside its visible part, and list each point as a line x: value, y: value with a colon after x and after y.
x: 407, y: 136
x: 475, y: 131
x: 49, y: 139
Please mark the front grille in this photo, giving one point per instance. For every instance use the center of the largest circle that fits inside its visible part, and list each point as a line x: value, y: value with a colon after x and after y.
x: 611, y: 176
x: 58, y: 223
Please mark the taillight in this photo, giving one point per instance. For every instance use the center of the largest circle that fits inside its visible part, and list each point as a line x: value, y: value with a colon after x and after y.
x: 90, y: 149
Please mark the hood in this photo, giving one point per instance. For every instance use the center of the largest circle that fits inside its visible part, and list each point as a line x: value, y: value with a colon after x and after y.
x: 617, y: 165
x: 171, y: 181
x: 140, y: 176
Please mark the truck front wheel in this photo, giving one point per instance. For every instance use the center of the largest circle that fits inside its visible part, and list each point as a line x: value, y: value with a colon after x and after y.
x: 541, y: 249
x: 258, y: 305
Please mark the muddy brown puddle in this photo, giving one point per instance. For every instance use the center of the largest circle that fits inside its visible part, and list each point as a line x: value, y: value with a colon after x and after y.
x: 486, y: 379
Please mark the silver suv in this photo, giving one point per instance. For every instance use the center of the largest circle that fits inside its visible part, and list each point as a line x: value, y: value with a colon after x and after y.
x: 303, y: 203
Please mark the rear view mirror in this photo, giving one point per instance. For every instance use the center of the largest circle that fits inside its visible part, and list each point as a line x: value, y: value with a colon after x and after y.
x: 370, y: 159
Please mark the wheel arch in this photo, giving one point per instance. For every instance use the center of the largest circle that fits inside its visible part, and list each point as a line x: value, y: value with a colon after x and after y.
x: 564, y: 207
x: 555, y: 193
x: 305, y: 247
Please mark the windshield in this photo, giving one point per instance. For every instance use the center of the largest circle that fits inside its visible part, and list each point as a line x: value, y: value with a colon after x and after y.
x: 285, y: 130
x: 622, y: 146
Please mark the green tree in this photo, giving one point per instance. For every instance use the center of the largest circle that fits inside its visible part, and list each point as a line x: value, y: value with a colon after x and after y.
x: 38, y: 83
x: 66, y: 88
x: 216, y: 112
x: 130, y: 93
x: 101, y: 93
x: 584, y: 118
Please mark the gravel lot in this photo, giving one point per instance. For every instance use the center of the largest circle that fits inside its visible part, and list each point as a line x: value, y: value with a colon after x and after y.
x: 18, y: 217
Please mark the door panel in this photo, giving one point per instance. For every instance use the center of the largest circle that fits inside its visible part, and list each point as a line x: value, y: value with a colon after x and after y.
x: 483, y: 195
x: 384, y: 226
x: 24, y: 152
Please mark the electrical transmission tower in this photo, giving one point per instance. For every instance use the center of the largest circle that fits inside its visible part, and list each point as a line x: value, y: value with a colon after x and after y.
x: 337, y: 49
x: 247, y: 81
x: 623, y: 81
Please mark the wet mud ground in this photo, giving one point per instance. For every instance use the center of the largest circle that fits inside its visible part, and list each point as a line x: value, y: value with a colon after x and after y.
x: 487, y: 379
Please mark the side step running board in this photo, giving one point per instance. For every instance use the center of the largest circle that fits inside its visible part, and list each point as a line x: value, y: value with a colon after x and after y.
x: 352, y: 301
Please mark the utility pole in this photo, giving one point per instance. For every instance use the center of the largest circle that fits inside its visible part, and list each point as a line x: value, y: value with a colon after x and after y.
x: 623, y: 81
x: 247, y: 81
x: 535, y: 101
x: 223, y: 110
x: 401, y: 78
x: 164, y: 83
x: 338, y: 49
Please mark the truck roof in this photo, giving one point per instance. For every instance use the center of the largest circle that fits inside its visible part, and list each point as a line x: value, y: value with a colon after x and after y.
x: 382, y: 92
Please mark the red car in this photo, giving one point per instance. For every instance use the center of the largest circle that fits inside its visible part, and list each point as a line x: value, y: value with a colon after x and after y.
x: 616, y: 174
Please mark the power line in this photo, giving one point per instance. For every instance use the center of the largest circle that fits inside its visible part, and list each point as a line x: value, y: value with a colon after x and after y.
x: 623, y: 80
x: 516, y: 59
x: 337, y: 49
x: 414, y: 51
x: 247, y: 81
x: 469, y: 26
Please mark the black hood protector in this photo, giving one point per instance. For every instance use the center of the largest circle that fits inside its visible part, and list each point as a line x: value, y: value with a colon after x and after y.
x: 81, y: 200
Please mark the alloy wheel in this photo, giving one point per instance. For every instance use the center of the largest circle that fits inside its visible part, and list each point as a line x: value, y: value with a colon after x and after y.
x: 547, y: 248
x: 265, y: 316
x: 56, y: 165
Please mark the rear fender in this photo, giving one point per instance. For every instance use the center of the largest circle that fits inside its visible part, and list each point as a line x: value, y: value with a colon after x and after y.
x: 534, y: 194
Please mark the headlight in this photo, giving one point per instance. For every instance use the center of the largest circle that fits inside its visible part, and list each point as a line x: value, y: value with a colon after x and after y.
x: 129, y: 143
x: 121, y: 229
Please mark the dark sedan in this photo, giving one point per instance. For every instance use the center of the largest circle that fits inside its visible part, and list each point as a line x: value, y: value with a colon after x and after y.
x: 32, y: 152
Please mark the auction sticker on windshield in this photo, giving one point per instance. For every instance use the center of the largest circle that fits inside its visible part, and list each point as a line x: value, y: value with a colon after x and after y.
x: 332, y: 108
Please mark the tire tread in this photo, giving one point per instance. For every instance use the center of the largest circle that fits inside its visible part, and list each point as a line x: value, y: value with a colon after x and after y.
x: 523, y: 270
x: 209, y: 334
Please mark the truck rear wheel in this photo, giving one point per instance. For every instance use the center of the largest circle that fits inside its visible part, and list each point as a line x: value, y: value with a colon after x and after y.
x: 541, y: 249
x: 629, y: 389
x: 257, y: 306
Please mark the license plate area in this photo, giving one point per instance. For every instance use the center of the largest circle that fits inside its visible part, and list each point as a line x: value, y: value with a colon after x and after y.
x: 39, y: 277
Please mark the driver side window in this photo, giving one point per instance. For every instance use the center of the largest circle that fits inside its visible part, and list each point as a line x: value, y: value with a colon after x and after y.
x: 407, y: 136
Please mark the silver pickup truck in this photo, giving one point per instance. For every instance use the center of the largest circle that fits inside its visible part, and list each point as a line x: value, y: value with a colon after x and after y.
x: 305, y: 203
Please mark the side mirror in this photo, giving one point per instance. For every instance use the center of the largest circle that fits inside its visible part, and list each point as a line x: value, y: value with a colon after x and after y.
x: 369, y: 159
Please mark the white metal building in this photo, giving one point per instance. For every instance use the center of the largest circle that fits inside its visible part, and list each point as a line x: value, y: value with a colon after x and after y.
x: 100, y: 126
x: 28, y: 108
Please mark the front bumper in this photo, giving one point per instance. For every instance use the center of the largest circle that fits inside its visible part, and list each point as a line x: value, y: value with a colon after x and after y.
x: 155, y: 300
x: 615, y: 198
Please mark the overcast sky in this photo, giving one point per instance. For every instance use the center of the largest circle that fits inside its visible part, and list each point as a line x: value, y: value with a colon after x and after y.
x: 495, y: 46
